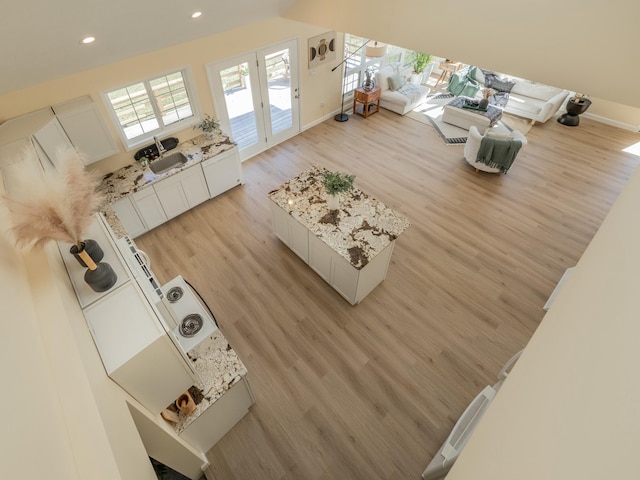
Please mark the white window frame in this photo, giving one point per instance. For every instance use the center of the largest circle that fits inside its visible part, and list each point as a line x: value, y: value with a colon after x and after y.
x: 162, y: 131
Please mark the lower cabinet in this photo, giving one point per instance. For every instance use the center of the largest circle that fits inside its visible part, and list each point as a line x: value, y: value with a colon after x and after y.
x: 219, y: 418
x: 352, y: 283
x: 149, y: 207
x: 167, y: 198
x: 223, y: 172
x: 182, y: 191
x: 129, y: 217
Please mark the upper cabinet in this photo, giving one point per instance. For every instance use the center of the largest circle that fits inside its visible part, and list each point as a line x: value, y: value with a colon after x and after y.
x: 85, y: 126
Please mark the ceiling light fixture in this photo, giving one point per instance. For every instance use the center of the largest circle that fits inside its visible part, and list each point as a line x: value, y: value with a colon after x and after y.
x: 88, y: 40
x: 196, y: 14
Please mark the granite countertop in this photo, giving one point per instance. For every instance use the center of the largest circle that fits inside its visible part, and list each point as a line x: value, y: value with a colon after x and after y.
x: 219, y: 368
x: 133, y: 177
x: 360, y: 229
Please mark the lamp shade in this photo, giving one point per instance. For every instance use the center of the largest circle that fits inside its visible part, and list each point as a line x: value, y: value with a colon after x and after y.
x: 375, y: 49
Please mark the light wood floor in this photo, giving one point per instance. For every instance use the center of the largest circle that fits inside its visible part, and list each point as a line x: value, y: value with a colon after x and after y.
x: 371, y: 391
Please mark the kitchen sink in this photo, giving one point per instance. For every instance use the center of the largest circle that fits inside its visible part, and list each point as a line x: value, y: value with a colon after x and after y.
x: 167, y: 162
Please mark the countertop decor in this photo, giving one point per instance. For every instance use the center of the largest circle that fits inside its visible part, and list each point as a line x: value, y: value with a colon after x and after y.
x: 59, y: 205
x: 358, y: 231
x: 219, y: 368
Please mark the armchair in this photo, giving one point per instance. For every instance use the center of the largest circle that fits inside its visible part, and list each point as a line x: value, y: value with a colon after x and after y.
x: 464, y: 83
x: 499, y: 151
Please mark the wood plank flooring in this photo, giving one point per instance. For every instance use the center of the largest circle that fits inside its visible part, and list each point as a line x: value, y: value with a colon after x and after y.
x: 371, y: 391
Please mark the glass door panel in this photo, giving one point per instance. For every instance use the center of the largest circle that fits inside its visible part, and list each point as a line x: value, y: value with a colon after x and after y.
x: 280, y: 90
x: 256, y: 97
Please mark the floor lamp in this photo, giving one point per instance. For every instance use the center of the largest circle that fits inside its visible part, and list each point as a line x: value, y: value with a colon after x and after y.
x: 373, y: 51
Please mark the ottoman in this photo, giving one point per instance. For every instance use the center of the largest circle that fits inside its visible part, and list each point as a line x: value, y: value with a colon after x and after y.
x: 455, y: 114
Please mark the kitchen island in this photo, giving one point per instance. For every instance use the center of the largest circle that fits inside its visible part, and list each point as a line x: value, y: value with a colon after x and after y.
x: 350, y: 248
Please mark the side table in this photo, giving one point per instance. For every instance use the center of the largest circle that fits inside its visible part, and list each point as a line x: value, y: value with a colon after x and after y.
x: 448, y: 69
x: 574, y: 109
x: 368, y: 99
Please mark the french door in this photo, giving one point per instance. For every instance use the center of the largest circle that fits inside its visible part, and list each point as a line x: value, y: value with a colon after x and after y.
x: 256, y: 96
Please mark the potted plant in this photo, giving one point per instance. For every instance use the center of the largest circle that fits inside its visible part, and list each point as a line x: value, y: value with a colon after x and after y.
x: 422, y: 67
x: 209, y: 126
x: 334, y: 184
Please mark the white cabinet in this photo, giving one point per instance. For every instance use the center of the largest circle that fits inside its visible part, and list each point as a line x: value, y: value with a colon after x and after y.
x: 182, y: 191
x: 223, y: 172
x: 135, y: 350
x: 292, y: 233
x: 50, y: 139
x: 39, y: 131
x: 149, y: 208
x: 352, y: 283
x: 205, y: 431
x: 86, y: 128
x: 128, y: 216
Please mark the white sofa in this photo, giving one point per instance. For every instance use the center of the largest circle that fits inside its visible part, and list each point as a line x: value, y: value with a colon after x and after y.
x: 404, y: 99
x: 535, y: 101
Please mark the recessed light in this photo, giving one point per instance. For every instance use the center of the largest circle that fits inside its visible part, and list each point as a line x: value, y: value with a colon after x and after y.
x: 196, y: 14
x: 88, y: 40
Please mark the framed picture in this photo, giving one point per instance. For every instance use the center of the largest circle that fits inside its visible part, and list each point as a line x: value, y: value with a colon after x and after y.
x: 322, y: 49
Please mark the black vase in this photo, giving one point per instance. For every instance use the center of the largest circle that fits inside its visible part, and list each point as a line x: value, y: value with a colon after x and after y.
x: 102, y: 278
x: 483, y: 103
x: 89, y: 246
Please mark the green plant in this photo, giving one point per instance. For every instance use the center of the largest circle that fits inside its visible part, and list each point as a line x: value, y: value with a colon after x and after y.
x: 336, y: 182
x: 420, y: 61
x: 208, y: 124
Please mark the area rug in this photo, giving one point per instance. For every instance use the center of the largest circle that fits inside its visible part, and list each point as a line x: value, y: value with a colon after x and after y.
x: 430, y: 112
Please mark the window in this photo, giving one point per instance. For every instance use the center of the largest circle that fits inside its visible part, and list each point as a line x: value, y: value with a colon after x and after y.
x: 357, y: 61
x: 152, y: 106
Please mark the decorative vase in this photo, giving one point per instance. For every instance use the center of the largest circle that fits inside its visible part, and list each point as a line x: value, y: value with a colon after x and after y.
x: 369, y: 83
x: 483, y: 104
x: 91, y: 247
x: 210, y: 135
x: 333, y: 201
x: 102, y: 278
x: 99, y: 276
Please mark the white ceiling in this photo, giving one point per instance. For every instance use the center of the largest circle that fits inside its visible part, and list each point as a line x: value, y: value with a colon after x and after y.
x: 40, y: 39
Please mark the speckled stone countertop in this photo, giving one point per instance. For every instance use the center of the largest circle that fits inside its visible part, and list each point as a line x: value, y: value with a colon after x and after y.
x: 136, y: 176
x: 360, y: 229
x: 219, y: 368
x: 133, y: 177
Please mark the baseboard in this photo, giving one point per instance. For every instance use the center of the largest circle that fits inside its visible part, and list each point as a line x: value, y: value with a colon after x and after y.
x: 613, y: 123
x: 322, y: 119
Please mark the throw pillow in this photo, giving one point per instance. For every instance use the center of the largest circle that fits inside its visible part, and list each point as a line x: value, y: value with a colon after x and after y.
x: 471, y: 74
x: 491, y: 80
x: 396, y: 81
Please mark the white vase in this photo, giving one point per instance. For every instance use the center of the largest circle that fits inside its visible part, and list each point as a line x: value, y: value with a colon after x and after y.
x: 333, y: 202
x: 209, y: 135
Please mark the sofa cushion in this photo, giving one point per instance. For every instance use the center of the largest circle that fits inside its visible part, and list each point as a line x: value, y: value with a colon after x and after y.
x: 535, y: 90
x: 396, y: 81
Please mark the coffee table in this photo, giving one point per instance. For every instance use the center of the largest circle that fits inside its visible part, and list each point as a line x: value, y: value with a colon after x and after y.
x: 455, y: 114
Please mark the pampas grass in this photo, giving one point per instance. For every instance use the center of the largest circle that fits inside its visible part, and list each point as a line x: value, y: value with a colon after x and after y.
x: 57, y: 205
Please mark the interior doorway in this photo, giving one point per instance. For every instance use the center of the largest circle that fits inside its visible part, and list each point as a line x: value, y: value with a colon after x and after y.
x: 256, y: 96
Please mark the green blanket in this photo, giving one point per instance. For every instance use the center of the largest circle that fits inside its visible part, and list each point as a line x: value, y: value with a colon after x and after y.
x: 498, y: 153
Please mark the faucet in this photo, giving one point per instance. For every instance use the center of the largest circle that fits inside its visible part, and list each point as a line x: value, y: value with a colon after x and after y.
x: 159, y: 146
